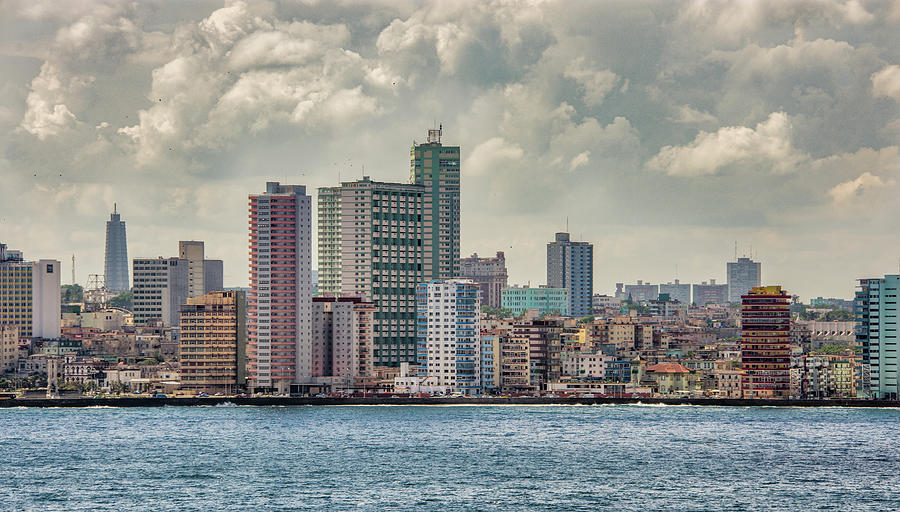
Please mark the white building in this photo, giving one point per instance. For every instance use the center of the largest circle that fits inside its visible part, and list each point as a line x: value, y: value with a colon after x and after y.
x: 449, y: 334
x: 29, y: 294
x: 160, y: 288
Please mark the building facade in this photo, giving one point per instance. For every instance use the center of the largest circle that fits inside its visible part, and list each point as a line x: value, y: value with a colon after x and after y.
x: 570, y: 265
x: 641, y: 291
x: 488, y: 273
x: 765, y: 343
x: 876, y: 335
x: 30, y: 295
x: 677, y: 291
x: 743, y: 275
x: 116, y: 260
x: 436, y: 168
x: 160, y: 288
x: 376, y: 232
x: 9, y: 348
x: 204, y: 276
x: 449, y: 334
x: 710, y: 293
x: 213, y: 342
x: 280, y: 299
x: 544, y: 299
x: 342, y: 338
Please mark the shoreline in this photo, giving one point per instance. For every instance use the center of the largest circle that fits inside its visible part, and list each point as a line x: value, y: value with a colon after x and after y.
x: 430, y: 401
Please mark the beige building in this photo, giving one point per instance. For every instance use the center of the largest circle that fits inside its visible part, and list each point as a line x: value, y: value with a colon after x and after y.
x: 9, y: 348
x: 673, y: 379
x: 29, y: 295
x: 213, y: 342
x: 342, y: 337
x: 515, y: 374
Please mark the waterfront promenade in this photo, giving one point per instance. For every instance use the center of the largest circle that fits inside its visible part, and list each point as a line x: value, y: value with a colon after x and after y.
x: 433, y: 401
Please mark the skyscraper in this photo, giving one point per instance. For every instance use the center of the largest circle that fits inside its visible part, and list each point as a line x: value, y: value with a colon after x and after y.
x: 280, y: 298
x: 436, y: 167
x: 876, y: 335
x: 372, y: 245
x: 743, y: 275
x: 570, y: 265
x: 116, y: 267
x: 765, y: 343
x: 490, y: 275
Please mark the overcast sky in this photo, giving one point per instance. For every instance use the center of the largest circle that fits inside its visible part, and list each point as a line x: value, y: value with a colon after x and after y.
x: 663, y: 131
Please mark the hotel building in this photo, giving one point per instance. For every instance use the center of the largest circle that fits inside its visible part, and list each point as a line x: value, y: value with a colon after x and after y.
x: 876, y: 335
x: 570, y: 265
x: 213, y: 342
x: 488, y: 273
x: 29, y: 295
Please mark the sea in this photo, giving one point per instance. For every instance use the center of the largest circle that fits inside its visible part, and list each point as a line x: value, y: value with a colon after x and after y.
x: 449, y: 458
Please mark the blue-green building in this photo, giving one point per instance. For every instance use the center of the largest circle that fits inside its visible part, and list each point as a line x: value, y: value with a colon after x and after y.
x: 544, y: 299
x: 876, y: 334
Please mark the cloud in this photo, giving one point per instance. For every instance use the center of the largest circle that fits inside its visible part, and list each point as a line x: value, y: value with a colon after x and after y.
x: 491, y: 155
x: 48, y: 115
x: 767, y: 146
x: 848, y: 190
x: 887, y: 82
x: 594, y: 84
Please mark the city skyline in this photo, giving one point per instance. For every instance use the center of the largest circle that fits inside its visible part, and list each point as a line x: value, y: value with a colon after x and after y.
x: 661, y: 162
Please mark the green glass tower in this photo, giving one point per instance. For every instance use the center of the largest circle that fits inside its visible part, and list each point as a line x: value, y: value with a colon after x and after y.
x: 436, y: 167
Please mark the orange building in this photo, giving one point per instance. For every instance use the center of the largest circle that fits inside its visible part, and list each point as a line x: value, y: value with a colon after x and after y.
x: 213, y: 342
x: 765, y: 343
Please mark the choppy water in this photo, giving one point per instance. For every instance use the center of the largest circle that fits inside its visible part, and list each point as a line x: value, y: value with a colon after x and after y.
x: 450, y: 458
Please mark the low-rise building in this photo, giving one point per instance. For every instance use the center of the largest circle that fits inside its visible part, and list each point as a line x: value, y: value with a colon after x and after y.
x: 543, y: 299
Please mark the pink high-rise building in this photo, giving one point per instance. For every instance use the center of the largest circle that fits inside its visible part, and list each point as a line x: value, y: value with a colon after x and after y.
x: 280, y: 298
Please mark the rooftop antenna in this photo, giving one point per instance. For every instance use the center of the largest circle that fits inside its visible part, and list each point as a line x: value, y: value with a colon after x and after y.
x: 115, y: 208
x: 567, y: 223
x: 735, y: 250
x: 73, y: 269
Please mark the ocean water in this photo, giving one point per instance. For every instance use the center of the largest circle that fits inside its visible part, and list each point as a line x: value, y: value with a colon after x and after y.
x: 450, y: 458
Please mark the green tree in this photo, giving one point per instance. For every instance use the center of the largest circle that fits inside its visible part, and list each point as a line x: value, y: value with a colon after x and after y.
x: 123, y: 300
x: 839, y: 315
x: 71, y: 293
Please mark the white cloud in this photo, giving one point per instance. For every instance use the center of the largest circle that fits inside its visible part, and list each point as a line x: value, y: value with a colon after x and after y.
x: 848, y: 190
x: 689, y: 115
x: 594, y: 84
x: 48, y: 115
x: 887, y: 82
x: 579, y: 160
x: 492, y: 155
x: 766, y: 146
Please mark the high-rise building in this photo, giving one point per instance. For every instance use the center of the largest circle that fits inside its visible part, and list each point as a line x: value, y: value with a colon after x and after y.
x: 765, y: 343
x: 342, y: 338
x: 710, y: 293
x: 29, y: 295
x: 280, y: 299
x: 436, y: 167
x: 213, y: 342
x: 204, y: 276
x: 9, y: 347
x: 488, y: 273
x: 162, y: 285
x: 876, y: 335
x: 160, y: 288
x: 570, y: 265
x: 743, y: 275
x: 544, y: 299
x: 677, y: 291
x: 375, y: 231
x: 116, y: 266
x: 449, y: 334
x: 641, y: 291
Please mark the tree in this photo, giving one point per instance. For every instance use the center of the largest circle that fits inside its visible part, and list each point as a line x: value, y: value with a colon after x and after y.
x: 838, y: 316
x: 71, y: 293
x: 123, y: 300
x: 586, y: 320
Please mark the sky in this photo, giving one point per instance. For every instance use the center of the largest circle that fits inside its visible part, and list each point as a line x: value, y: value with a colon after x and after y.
x: 666, y: 133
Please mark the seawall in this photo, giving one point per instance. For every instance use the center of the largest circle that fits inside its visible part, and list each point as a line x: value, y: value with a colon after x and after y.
x: 337, y: 401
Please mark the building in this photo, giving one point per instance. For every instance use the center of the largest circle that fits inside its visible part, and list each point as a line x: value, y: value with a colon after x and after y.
x: 449, y: 334
x: 342, y: 338
x: 213, y: 342
x: 544, y: 299
x: 160, y: 288
x: 204, y: 276
x: 673, y: 379
x: 116, y: 261
x: 876, y: 335
x: 710, y: 293
x: 765, y: 343
x: 29, y: 295
x: 570, y: 265
x: 604, y: 302
x: 9, y: 348
x: 372, y: 244
x: 743, y: 275
x: 162, y: 285
x: 436, y: 168
x: 279, y: 304
x: 677, y: 291
x: 488, y: 273
x: 641, y: 291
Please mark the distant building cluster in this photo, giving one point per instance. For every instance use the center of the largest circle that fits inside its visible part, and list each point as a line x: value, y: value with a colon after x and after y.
x: 393, y: 308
